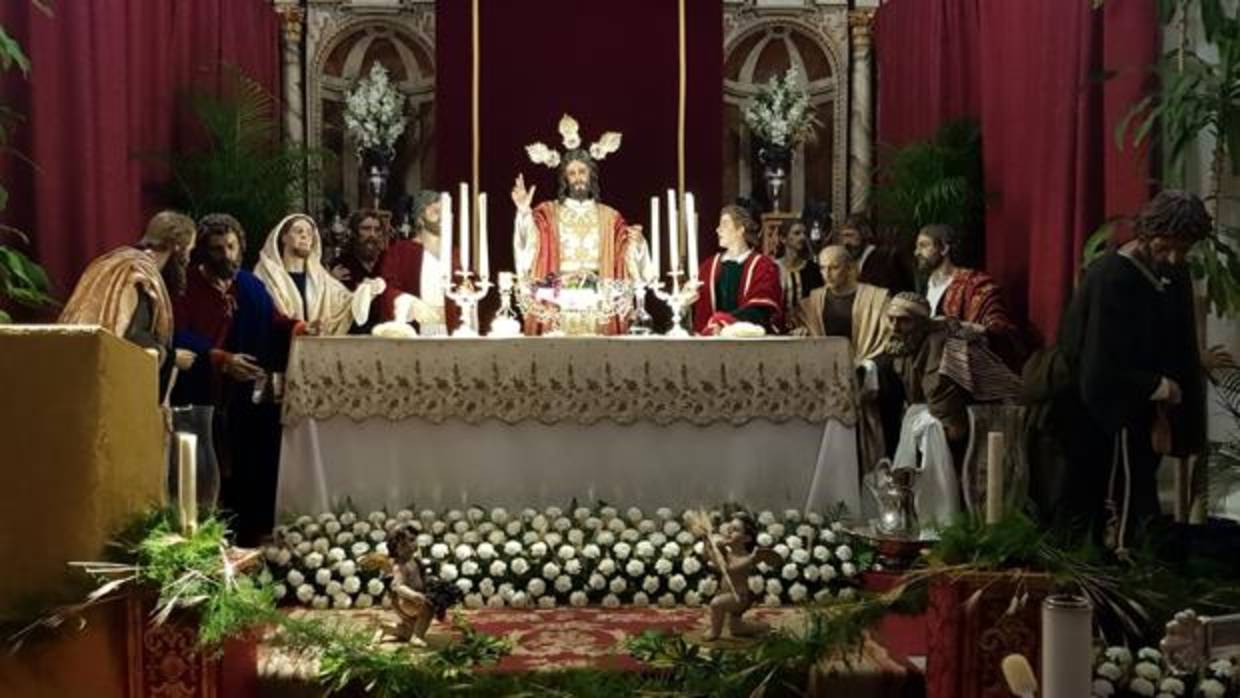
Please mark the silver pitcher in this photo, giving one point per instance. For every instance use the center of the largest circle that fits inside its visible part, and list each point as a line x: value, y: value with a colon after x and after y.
x: 893, y: 491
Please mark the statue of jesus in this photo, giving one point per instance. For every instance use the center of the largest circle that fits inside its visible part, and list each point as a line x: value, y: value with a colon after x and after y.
x: 575, y: 234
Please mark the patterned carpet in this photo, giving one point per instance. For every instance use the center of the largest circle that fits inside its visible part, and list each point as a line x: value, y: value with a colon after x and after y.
x: 541, y: 639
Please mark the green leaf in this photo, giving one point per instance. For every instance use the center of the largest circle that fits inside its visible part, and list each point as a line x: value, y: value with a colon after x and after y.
x: 11, y: 54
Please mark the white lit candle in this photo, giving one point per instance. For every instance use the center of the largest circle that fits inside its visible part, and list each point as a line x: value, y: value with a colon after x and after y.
x: 673, y: 230
x: 994, y: 477
x: 691, y: 221
x: 187, y: 481
x: 445, y: 235
x: 484, y: 254
x: 654, y: 236
x: 466, y: 231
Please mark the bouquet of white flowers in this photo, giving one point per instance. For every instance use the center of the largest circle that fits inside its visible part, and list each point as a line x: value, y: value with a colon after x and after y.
x: 1118, y: 674
x: 374, y: 112
x: 780, y: 114
x: 600, y: 556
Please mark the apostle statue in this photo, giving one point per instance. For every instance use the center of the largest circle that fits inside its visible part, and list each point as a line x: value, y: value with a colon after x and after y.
x: 290, y: 265
x: 414, y: 273
x: 855, y: 311
x: 878, y: 263
x: 575, y: 233
x: 130, y: 290
x: 968, y: 295
x: 742, y: 284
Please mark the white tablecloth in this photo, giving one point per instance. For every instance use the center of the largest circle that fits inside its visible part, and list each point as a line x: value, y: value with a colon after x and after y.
x: 632, y: 422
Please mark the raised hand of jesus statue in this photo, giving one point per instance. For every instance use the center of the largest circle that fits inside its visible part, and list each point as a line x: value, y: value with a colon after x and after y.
x: 521, y: 196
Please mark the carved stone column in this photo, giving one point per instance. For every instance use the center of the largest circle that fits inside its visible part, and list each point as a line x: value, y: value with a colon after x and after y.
x: 294, y: 111
x: 861, y: 117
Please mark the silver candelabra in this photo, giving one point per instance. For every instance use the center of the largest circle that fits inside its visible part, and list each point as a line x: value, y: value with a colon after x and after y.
x: 466, y: 295
x: 677, y: 299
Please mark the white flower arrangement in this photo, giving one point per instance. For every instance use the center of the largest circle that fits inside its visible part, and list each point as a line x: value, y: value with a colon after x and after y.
x: 622, y: 558
x: 374, y: 116
x: 781, y: 115
x: 1118, y: 673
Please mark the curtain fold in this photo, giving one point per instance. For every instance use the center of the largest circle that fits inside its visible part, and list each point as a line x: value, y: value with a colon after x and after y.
x: 103, y: 104
x: 1031, y: 74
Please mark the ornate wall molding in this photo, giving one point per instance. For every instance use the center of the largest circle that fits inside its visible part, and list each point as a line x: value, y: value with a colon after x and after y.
x: 828, y: 27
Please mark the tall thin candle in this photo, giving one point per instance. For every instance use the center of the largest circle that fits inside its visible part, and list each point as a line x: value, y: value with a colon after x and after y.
x: 673, y: 231
x: 466, y: 231
x: 187, y: 481
x: 994, y: 477
x: 691, y: 220
x: 654, y: 236
x: 484, y: 252
x: 445, y: 234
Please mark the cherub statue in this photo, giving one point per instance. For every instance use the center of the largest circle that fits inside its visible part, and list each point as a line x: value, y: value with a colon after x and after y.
x: 416, y: 597
x: 735, y: 553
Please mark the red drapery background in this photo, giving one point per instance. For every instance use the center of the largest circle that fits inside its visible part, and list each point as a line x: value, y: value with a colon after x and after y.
x: 103, y: 103
x: 543, y: 59
x: 1030, y: 73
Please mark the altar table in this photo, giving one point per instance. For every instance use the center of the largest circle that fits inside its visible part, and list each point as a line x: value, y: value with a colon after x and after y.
x: 444, y: 422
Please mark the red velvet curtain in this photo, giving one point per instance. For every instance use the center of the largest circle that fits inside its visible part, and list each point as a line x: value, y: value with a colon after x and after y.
x: 613, y: 66
x: 103, y: 104
x: 1031, y: 74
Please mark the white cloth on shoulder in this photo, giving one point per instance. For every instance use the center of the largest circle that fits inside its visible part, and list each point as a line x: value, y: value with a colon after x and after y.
x: 937, y: 488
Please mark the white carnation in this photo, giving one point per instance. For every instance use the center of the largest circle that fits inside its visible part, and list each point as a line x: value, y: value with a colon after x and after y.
x: 538, y: 549
x: 635, y: 568
x: 536, y: 587
x: 563, y: 584
x: 581, y: 513
x: 670, y: 551
x: 611, y: 601
x: 630, y: 535
x: 348, y: 518
x: 644, y: 550
x: 573, y: 567
x: 566, y: 552
x: 448, y: 572
x: 621, y: 550
x: 512, y: 528
x: 826, y: 572
x: 320, y: 603
x: 374, y: 587
x: 469, y: 568
x: 605, y: 539
x: 597, y: 582
x: 848, y: 569
x: 377, y: 536
x: 1222, y: 668
x: 844, y: 553
x: 1172, y: 686
x: 425, y: 540
x: 650, y: 584
x: 641, y: 600
x: 519, y: 600
x: 677, y: 583
x: 519, y: 566
x: 591, y: 552
x: 826, y: 535
x: 333, y: 589
x: 495, y: 601
x: 576, y: 537
x: 593, y: 523
x: 546, y: 602
x: 438, y: 528
x: 1110, y: 671
x: 364, y: 601
x: 550, y: 571
x: 562, y: 524
x: 633, y: 514
x: 1141, y: 686
x: 497, y: 568
x: 684, y: 538
x: 506, y: 591
x: 294, y: 578
x: 618, y: 585
x: 487, y: 586
x: 692, y: 598
x: 691, y: 565
x: 616, y: 525
x: 1148, y: 671
x: 439, y: 551
x: 607, y: 566
x: 352, y: 585
x: 284, y: 558
x: 305, y: 593
x: 776, y: 530
x: 512, y: 548
x: 797, y: 592
x: 474, y: 601
x: 765, y: 518
x: 765, y: 540
x: 279, y: 591
x: 790, y: 572
x: 773, y: 587
x: 708, y: 586
x: 782, y: 550
x: 756, y: 584
x: 1212, y: 688
x: 486, y: 551
x: 463, y: 552
x: 539, y: 523
x: 663, y: 566
x: 313, y: 561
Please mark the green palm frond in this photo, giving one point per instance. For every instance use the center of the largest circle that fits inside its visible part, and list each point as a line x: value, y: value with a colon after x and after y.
x: 933, y: 181
x: 243, y: 167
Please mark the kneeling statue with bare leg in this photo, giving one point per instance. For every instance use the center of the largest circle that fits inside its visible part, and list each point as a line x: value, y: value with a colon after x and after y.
x: 735, y: 553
